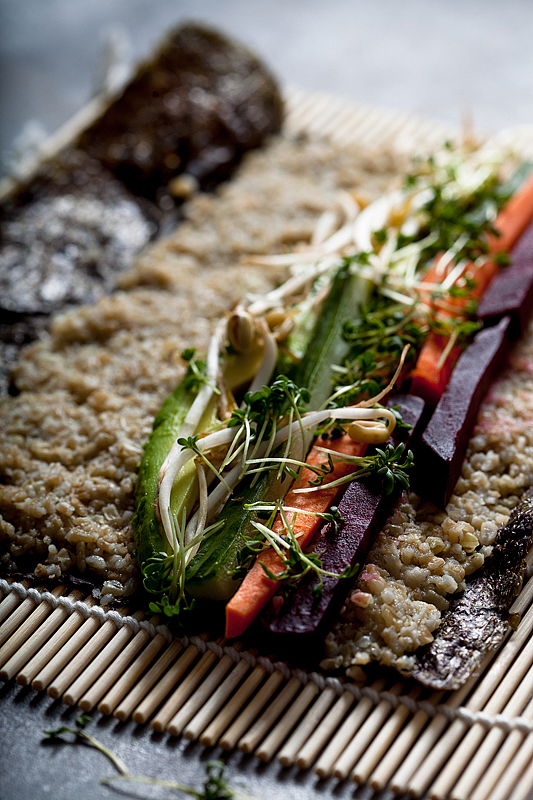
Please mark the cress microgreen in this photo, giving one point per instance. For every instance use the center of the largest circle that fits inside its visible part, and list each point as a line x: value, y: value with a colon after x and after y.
x: 215, y: 785
x: 196, y: 376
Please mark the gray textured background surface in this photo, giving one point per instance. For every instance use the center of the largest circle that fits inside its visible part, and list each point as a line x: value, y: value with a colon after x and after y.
x: 441, y: 58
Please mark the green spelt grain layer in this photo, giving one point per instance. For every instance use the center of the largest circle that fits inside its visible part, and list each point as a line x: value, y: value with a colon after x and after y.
x: 70, y: 442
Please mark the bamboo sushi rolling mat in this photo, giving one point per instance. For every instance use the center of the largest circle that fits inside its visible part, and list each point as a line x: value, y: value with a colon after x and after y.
x: 473, y: 744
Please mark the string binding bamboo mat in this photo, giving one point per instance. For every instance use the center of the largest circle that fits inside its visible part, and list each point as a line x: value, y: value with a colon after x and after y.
x: 473, y: 744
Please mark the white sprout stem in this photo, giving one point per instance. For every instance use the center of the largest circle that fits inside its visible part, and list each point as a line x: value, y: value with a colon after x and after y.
x: 414, y: 248
x: 374, y: 217
x: 378, y: 397
x: 314, y: 418
x: 289, y: 510
x: 450, y: 254
x: 218, y: 497
x: 454, y: 275
x: 292, y: 286
x: 400, y: 298
x: 330, y: 485
x: 272, y: 538
x: 268, y: 362
x: 196, y: 525
x: 448, y: 349
x: 332, y: 244
x: 177, y: 462
x: 324, y: 228
x: 336, y: 455
x: 349, y: 205
x: 202, y: 399
x: 196, y: 411
x: 216, y: 500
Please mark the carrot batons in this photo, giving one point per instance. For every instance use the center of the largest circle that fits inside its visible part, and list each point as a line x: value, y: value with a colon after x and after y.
x: 257, y: 588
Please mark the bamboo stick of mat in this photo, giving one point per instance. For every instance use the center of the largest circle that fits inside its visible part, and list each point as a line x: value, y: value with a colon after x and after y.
x: 20, y: 613
x: 72, y: 635
x: 157, y: 695
x: 36, y: 640
x: 342, y: 123
x: 522, y: 790
x: 201, y: 694
x: 98, y: 663
x: 461, y: 757
x: 346, y: 732
x: 437, y: 757
x: 316, y: 742
x: 207, y: 713
x: 268, y: 718
x: 523, y: 601
x: 99, y: 635
x: 423, y: 744
x: 279, y: 733
x: 309, y: 113
x: 9, y: 603
x: 402, y: 746
x: 45, y: 653
x: 116, y: 668
x: 312, y: 719
x: 143, y: 686
x: 247, y: 716
x: 131, y: 675
x: 507, y: 747
x: 367, y: 128
x: 365, y: 735
x: 490, y: 742
x: 23, y: 631
x: 384, y: 739
x: 183, y: 691
x: 514, y: 770
x: 229, y: 712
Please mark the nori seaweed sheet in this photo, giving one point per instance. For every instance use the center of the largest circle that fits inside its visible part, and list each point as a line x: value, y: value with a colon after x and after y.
x: 477, y: 621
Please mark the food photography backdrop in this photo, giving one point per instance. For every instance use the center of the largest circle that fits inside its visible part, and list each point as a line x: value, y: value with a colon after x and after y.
x: 442, y: 58
x: 451, y: 60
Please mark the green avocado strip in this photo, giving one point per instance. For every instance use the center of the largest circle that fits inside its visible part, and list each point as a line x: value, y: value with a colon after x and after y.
x: 148, y: 537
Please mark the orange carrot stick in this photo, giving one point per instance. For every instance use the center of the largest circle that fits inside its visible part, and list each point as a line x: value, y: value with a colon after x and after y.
x: 257, y: 588
x: 513, y: 219
x: 430, y: 376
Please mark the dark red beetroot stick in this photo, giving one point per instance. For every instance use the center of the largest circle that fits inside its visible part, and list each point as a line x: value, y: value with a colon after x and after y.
x: 364, y: 510
x: 511, y: 291
x: 440, y: 453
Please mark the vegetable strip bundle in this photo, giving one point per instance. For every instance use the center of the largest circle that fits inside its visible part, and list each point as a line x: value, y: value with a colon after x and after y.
x: 324, y: 348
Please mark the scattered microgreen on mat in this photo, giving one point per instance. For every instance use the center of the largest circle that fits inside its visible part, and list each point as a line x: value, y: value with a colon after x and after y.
x: 80, y: 733
x: 214, y: 788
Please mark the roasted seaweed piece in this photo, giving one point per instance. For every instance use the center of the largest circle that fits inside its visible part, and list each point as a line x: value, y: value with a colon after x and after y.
x: 477, y: 621
x: 67, y: 236
x: 64, y: 240
x: 197, y: 106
